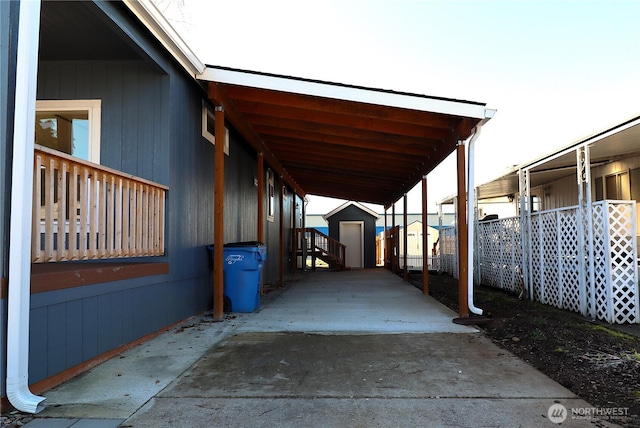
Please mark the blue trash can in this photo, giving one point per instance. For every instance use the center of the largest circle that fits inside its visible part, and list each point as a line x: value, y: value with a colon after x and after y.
x: 242, y: 274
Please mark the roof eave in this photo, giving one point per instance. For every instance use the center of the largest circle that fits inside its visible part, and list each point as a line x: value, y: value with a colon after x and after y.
x: 155, y: 21
x: 347, y: 93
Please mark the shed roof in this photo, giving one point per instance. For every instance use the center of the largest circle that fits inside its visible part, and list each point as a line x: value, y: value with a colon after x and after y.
x: 348, y: 204
x: 343, y: 141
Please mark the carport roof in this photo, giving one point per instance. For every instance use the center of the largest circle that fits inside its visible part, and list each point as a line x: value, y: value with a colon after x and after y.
x: 342, y: 141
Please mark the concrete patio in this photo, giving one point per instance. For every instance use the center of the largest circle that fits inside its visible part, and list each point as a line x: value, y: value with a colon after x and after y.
x: 357, y: 348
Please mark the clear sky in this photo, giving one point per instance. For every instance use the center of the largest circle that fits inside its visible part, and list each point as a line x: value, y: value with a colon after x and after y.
x: 556, y: 71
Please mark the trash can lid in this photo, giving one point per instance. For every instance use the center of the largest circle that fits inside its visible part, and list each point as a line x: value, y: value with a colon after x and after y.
x: 245, y: 244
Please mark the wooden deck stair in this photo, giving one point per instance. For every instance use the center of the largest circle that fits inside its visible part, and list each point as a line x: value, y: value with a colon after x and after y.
x: 312, y: 242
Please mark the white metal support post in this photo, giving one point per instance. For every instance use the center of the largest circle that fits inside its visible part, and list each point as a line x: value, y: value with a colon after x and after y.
x: 585, y: 237
x: 525, y: 219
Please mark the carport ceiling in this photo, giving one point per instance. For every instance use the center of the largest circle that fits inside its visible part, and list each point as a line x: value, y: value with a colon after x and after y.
x: 341, y: 141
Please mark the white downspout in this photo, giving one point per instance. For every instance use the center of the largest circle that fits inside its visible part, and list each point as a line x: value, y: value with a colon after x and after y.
x: 19, y: 294
x: 471, y: 219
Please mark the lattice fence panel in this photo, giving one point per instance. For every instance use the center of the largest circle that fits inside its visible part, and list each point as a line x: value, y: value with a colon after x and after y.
x: 623, y: 267
x: 550, y: 266
x: 600, y: 262
x: 448, y: 251
x: 569, y: 253
x: 536, y: 257
x: 501, y: 253
x: 490, y: 254
x: 512, y: 266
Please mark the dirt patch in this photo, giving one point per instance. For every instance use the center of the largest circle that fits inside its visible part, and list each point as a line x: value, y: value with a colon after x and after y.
x: 596, y: 361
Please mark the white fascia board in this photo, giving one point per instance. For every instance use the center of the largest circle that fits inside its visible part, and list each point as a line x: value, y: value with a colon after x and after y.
x: 347, y: 93
x: 155, y: 21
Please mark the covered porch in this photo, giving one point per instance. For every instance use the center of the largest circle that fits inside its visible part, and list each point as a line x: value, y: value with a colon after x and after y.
x: 342, y: 141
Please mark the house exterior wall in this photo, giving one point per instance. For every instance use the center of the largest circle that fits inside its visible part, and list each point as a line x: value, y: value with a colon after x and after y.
x: 150, y: 127
x: 353, y: 213
x: 8, y: 40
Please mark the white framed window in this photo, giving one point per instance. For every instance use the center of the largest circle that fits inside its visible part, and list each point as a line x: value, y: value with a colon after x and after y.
x: 209, y: 128
x: 70, y: 126
x: 271, y: 197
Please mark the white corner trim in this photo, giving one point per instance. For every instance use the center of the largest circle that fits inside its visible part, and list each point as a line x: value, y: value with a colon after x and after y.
x: 19, y: 295
x: 155, y: 21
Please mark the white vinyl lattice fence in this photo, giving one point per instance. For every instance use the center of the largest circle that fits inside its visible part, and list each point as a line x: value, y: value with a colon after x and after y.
x: 599, y: 280
x: 448, y: 251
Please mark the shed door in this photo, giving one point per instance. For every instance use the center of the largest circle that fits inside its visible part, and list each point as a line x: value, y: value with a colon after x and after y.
x: 352, y: 236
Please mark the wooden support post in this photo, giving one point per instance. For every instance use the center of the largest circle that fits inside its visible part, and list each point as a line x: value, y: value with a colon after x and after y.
x: 294, y: 235
x: 312, y: 246
x: 386, y: 241
x: 218, y: 216
x: 260, y: 195
x: 394, y: 268
x: 304, y: 234
x: 425, y: 239
x: 281, y: 207
x: 405, y: 249
x: 461, y: 224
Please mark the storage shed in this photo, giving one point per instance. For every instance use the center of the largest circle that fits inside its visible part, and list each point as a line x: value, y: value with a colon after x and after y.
x: 354, y: 225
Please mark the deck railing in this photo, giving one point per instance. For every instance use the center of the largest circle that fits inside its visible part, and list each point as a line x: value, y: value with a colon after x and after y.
x: 320, y: 245
x: 85, y: 211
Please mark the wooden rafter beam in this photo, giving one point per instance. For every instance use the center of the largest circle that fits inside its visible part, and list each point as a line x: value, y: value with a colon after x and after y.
x: 218, y: 96
x: 348, y: 108
x: 258, y: 122
x: 254, y: 111
x: 291, y: 148
x: 275, y: 135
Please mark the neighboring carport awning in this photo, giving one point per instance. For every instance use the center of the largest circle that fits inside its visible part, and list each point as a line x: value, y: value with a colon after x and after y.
x: 349, y: 142
x: 613, y: 143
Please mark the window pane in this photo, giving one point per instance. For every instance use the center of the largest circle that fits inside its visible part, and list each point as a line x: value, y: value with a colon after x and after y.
x: 612, y: 188
x: 65, y: 131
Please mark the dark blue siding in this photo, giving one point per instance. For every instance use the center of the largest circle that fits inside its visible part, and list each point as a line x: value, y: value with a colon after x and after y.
x: 150, y: 127
x: 132, y: 95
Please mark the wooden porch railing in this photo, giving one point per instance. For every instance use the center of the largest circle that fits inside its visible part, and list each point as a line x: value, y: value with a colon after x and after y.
x: 322, y: 246
x: 84, y: 211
